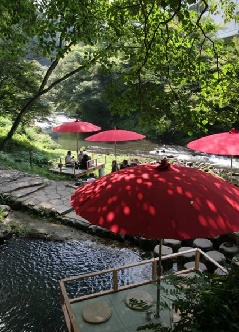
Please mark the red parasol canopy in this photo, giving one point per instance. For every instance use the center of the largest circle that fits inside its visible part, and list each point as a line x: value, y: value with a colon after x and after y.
x: 164, y: 201
x: 76, y: 126
x: 115, y: 135
x: 226, y: 143
x: 179, y: 202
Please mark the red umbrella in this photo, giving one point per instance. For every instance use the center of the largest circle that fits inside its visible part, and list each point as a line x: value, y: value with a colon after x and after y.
x: 115, y: 135
x: 226, y: 143
x: 160, y: 202
x: 76, y: 126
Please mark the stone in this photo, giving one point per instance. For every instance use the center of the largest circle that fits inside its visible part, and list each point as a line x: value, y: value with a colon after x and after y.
x: 229, y: 249
x: 174, y: 244
x: 235, y: 260
x: 203, y: 244
x: 220, y: 272
x: 139, y: 300
x: 97, y: 312
x: 187, y: 257
x: 189, y: 265
x: 167, y: 263
x: 217, y: 257
x: 5, y: 232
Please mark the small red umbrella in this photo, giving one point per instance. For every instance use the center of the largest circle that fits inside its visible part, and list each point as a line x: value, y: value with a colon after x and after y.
x: 226, y: 143
x: 115, y: 135
x: 76, y: 126
x: 160, y: 201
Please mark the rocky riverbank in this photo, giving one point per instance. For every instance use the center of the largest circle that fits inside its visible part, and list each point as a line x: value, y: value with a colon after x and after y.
x: 38, y: 207
x: 22, y: 224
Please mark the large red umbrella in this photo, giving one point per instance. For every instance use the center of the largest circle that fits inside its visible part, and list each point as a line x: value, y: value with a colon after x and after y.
x: 76, y: 126
x: 160, y: 202
x: 225, y: 143
x: 115, y: 135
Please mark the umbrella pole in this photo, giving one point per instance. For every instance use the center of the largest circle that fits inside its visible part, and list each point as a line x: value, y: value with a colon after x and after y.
x: 115, y: 150
x: 231, y: 169
x: 159, y: 272
x: 77, y: 143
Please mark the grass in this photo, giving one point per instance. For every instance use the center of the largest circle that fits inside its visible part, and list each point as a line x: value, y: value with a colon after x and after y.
x: 1, y: 215
x: 35, y: 152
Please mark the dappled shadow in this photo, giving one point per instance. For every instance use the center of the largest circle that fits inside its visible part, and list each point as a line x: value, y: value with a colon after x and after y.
x: 180, y: 203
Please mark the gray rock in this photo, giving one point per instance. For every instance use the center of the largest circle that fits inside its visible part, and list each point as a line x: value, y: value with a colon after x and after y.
x: 5, y: 232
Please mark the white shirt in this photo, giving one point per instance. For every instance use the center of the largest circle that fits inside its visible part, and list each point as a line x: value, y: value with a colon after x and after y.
x: 90, y: 179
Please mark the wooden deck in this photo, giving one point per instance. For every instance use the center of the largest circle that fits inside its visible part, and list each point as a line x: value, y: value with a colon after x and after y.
x: 92, y: 166
x: 123, y: 319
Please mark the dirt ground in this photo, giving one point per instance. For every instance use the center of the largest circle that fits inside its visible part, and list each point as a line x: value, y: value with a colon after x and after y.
x: 26, y: 225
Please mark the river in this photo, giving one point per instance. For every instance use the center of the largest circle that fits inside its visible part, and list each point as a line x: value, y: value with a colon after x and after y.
x: 145, y: 147
x: 30, y: 271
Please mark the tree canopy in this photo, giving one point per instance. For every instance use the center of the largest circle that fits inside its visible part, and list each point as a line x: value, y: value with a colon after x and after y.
x: 175, y: 66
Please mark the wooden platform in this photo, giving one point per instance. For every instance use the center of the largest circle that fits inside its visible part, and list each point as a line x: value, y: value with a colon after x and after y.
x: 122, y: 318
x: 74, y: 172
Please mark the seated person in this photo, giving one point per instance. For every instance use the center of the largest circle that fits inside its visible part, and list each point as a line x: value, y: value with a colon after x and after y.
x: 69, y: 160
x: 84, y: 161
x: 80, y: 156
x: 114, y: 166
x: 134, y: 162
x: 124, y: 164
x: 91, y: 177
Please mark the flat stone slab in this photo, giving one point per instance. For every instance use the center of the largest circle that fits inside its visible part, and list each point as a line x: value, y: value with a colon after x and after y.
x: 175, y: 244
x: 165, y: 250
x: 138, y: 300
x: 26, y: 191
x: 96, y: 312
x: 217, y: 256
x: 220, y: 272
x: 189, y: 265
x: 187, y: 255
x: 228, y: 249
x: 203, y: 244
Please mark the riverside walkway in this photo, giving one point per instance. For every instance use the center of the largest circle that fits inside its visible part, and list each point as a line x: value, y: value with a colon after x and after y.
x: 41, y: 196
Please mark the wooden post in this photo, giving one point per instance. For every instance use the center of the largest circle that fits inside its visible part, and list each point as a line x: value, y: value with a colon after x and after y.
x: 197, y: 260
x: 154, y: 270
x: 115, y: 280
x: 60, y: 165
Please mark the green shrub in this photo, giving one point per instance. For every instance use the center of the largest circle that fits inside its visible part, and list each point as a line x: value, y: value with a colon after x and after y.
x: 207, y: 303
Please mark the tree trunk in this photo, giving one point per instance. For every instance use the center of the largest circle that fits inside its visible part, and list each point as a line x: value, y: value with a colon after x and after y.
x: 17, y: 121
x: 42, y: 90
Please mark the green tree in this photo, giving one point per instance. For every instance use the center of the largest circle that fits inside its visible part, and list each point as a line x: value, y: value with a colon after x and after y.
x: 19, y: 80
x: 161, y: 38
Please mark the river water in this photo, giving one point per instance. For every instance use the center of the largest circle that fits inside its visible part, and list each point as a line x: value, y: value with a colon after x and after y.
x: 30, y: 271
x: 147, y: 148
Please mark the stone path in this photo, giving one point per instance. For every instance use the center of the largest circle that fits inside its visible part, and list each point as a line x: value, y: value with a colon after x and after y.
x: 48, y: 198
x: 44, y: 197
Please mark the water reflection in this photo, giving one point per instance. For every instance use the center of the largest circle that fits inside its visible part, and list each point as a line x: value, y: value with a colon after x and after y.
x: 29, y: 275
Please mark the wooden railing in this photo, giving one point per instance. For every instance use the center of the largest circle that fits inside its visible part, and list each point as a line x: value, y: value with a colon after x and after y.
x: 66, y: 301
x: 91, y: 163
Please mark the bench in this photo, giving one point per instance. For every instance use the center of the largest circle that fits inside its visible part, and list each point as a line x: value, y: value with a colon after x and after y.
x: 92, y: 165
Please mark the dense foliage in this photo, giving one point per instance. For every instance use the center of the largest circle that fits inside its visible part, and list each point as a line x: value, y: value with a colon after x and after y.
x: 165, y: 61
x: 208, y: 303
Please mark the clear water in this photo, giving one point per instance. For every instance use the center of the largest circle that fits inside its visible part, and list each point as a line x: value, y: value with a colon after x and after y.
x: 30, y: 271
